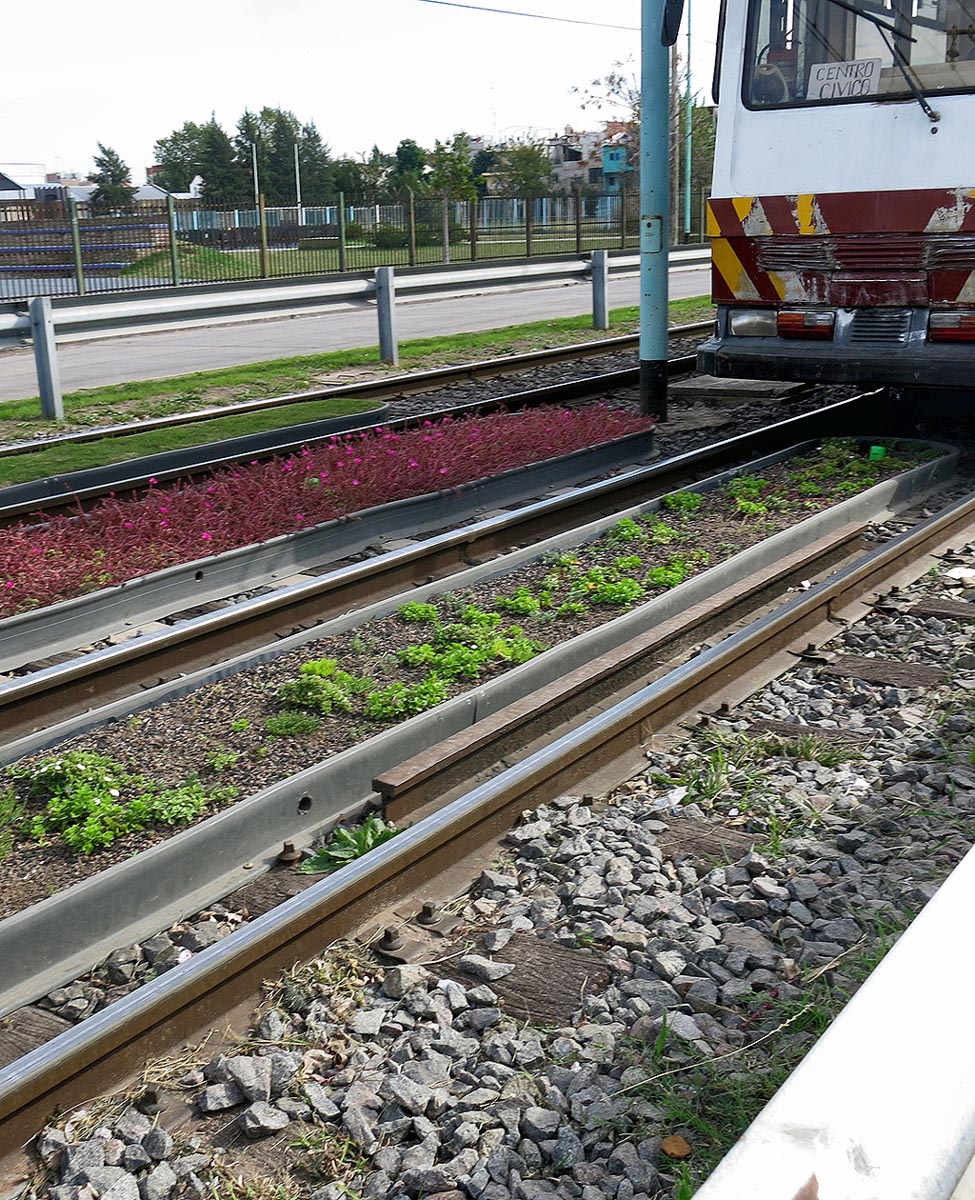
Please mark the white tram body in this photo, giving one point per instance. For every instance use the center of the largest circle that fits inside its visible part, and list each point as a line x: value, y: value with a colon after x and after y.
x: 842, y: 215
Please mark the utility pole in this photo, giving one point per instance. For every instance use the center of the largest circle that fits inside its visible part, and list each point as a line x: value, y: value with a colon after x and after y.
x: 688, y: 131
x: 659, y: 26
x: 257, y: 189
x: 298, y: 184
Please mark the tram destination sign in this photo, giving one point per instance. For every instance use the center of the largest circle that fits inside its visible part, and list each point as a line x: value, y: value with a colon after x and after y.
x: 839, y: 80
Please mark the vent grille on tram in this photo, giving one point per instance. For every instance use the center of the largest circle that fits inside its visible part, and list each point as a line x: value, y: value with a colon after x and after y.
x: 889, y: 325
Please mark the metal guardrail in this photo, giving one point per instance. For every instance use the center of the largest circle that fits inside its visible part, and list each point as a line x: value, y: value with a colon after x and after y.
x: 49, y: 321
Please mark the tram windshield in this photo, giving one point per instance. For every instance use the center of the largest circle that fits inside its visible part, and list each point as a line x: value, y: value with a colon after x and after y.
x: 835, y: 51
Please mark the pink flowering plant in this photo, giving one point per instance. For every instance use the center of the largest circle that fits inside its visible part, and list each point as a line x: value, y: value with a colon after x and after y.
x: 47, y: 559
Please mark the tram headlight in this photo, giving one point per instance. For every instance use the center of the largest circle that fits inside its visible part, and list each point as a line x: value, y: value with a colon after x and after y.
x: 752, y: 322
x: 806, y: 323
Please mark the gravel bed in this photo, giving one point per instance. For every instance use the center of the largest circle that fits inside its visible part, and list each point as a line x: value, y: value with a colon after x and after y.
x: 217, y: 732
x: 424, y: 1080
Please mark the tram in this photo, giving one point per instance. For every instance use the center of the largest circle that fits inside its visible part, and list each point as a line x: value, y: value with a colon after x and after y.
x: 842, y: 217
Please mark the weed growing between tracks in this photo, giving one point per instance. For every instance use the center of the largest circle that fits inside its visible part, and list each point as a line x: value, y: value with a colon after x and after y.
x: 271, y: 721
x: 56, y: 557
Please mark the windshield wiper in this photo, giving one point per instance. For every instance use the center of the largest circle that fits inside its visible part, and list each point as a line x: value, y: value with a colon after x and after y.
x: 884, y: 27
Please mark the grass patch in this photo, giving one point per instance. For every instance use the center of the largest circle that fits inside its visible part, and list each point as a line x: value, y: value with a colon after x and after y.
x: 58, y: 460
x: 20, y: 419
x: 711, y: 1102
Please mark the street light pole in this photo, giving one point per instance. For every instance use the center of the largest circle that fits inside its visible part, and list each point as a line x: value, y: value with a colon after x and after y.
x: 688, y: 132
x: 257, y: 188
x: 298, y: 184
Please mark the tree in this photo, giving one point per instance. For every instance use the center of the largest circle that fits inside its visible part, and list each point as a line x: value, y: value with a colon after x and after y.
x: 114, y: 193
x: 408, y: 167
x: 180, y: 157
x: 275, y: 132
x: 450, y: 169
x: 525, y: 170
x: 225, y: 180
x: 483, y: 163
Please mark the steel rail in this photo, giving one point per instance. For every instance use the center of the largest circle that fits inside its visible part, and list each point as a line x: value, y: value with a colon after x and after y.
x: 55, y: 493
x: 386, y: 388
x: 43, y: 697
x: 201, y: 993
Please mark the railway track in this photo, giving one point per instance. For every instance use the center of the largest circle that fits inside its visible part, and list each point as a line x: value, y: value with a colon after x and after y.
x: 387, y: 388
x: 592, y: 750
x: 41, y: 697
x: 201, y: 992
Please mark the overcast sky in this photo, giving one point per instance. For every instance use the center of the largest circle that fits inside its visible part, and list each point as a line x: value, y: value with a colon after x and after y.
x: 365, y: 71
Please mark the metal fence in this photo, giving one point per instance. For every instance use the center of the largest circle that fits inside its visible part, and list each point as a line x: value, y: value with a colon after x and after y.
x: 62, y: 248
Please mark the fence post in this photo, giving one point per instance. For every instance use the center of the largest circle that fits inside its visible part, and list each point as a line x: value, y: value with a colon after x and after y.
x: 622, y: 195
x: 600, y: 289
x: 341, y: 231
x: 578, y: 220
x: 529, y: 225
x: 262, y: 220
x: 472, y: 209
x: 173, y: 245
x: 46, y: 358
x: 446, y: 229
x: 386, y: 307
x: 79, y: 266
x: 411, y: 229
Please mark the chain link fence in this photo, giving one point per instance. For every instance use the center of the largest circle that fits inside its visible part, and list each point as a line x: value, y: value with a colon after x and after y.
x: 63, y: 248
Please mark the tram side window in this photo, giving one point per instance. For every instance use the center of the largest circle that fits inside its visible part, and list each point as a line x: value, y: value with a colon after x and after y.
x: 819, y: 52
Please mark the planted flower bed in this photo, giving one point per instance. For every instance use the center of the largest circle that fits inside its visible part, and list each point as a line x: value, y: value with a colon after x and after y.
x: 271, y: 721
x: 48, y: 559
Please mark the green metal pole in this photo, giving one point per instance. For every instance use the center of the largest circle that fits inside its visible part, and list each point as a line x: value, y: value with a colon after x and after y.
x: 341, y: 231
x: 654, y: 210
x: 411, y: 229
x: 472, y: 210
x: 688, y: 131
x: 173, y: 245
x: 578, y: 220
x: 265, y: 253
x: 79, y: 266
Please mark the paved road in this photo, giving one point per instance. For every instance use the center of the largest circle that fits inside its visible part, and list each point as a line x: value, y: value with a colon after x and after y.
x: 160, y: 355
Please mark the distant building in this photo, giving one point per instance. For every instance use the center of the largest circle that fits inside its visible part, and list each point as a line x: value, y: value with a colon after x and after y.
x: 18, y: 181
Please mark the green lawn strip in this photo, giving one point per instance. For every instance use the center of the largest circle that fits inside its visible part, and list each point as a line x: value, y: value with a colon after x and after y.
x: 276, y: 377
x: 207, y: 263
x: 78, y: 456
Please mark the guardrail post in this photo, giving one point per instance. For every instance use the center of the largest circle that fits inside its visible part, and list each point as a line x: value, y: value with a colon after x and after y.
x: 341, y: 231
x: 79, y: 266
x: 265, y: 254
x: 386, y: 307
x: 173, y: 245
x: 600, y: 289
x: 46, y: 358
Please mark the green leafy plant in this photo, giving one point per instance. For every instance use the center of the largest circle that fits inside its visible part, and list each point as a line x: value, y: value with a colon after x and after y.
x: 684, y: 504
x: 521, y: 602
x: 291, y: 722
x: 415, y: 611
x: 220, y: 760
x: 669, y: 575
x: 626, y: 530
x: 405, y: 699
x: 346, y: 845
x: 628, y: 562
x: 90, y: 801
x: 240, y: 725
x: 624, y: 591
